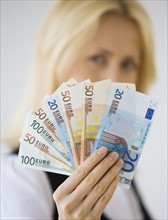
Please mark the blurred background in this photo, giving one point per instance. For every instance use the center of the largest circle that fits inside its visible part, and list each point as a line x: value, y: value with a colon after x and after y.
x: 19, y: 23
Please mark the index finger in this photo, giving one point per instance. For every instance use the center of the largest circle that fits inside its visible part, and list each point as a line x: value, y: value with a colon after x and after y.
x: 82, y: 171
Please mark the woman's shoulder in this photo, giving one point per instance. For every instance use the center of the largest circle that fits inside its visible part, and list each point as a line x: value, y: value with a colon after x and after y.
x: 25, y: 192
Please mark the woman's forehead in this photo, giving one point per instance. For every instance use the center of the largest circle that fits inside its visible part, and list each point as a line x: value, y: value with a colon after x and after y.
x: 116, y: 34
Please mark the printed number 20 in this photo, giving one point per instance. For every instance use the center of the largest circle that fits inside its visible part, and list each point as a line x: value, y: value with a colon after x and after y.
x: 118, y: 94
x: 129, y: 162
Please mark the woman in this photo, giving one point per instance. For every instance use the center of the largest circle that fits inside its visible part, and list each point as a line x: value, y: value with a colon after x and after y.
x: 82, y: 39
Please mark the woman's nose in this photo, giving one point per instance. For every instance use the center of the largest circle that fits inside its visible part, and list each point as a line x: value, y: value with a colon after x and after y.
x: 113, y: 73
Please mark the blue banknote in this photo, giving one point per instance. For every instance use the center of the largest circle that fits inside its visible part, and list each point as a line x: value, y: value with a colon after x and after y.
x: 125, y: 127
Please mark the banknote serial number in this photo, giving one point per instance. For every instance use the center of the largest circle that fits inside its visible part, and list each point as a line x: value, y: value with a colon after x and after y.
x: 32, y: 161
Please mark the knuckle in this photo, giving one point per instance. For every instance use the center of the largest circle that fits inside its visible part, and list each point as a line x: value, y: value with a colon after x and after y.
x: 96, y: 214
x: 106, y: 162
x: 81, y: 172
x: 79, y: 214
x: 94, y: 157
x: 90, y: 180
x: 66, y: 207
x: 57, y: 195
x: 105, y: 198
x: 98, y: 188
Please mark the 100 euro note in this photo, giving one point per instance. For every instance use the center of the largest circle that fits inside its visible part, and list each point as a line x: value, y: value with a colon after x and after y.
x: 34, y: 152
x: 71, y: 101
x: 125, y: 127
x: 95, y: 99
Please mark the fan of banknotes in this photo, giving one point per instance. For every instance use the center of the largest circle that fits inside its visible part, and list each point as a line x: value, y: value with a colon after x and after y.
x: 79, y: 118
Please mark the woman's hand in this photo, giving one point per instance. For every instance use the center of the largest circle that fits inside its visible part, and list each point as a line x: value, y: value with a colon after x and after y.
x: 85, y: 194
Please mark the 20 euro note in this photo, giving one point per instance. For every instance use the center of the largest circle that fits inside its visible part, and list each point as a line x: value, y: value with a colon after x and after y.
x: 71, y: 101
x: 94, y: 102
x: 125, y: 127
x: 34, y: 153
x: 37, y: 129
x: 51, y: 104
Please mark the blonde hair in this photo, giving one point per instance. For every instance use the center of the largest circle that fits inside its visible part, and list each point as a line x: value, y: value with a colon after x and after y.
x: 65, y: 30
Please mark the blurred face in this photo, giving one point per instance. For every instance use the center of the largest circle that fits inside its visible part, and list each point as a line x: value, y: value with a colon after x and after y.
x: 113, y: 53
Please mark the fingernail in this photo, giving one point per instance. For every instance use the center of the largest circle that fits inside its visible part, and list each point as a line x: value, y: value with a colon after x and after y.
x: 102, y: 151
x: 119, y: 163
x: 113, y: 156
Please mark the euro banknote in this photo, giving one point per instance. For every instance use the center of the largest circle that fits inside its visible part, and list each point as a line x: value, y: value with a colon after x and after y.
x: 71, y: 101
x: 78, y: 118
x: 52, y: 105
x: 35, y: 152
x: 35, y: 128
x: 94, y: 102
x: 125, y: 127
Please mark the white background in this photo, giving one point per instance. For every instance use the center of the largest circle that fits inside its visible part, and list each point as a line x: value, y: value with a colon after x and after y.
x: 19, y: 22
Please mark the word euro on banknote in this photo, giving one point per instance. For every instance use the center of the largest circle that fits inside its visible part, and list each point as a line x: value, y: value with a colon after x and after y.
x: 125, y: 127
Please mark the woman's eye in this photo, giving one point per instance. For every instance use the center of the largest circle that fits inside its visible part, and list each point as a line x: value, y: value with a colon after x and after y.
x: 98, y: 59
x: 129, y: 65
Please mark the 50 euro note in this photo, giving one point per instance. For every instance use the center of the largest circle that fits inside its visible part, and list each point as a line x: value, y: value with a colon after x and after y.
x: 125, y: 127
x: 51, y: 104
x: 71, y: 101
x: 35, y: 152
x: 94, y: 102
